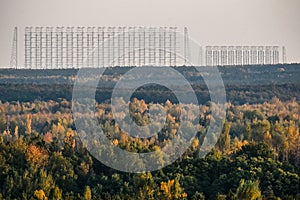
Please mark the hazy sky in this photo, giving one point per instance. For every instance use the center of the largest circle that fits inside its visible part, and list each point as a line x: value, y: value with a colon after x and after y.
x: 210, y: 22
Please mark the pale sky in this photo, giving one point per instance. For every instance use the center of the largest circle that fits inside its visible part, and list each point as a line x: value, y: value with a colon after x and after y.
x: 210, y: 22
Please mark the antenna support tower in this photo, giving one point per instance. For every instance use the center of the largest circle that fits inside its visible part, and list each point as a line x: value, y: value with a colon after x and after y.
x: 14, y: 50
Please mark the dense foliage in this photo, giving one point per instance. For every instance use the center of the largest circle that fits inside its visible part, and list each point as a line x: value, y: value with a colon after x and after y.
x: 256, y: 157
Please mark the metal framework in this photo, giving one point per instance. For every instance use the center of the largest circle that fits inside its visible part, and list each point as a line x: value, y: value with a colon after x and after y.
x: 283, y: 54
x: 14, y: 50
x: 243, y: 55
x: 75, y: 47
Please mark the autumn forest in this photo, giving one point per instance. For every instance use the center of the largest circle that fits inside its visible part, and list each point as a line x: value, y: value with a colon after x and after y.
x: 256, y: 156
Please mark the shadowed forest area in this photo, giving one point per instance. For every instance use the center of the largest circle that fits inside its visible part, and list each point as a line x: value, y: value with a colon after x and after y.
x: 246, y: 84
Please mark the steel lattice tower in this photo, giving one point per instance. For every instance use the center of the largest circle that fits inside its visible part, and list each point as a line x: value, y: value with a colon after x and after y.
x: 14, y: 50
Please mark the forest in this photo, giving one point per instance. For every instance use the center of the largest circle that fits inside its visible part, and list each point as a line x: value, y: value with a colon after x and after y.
x: 257, y: 155
x: 243, y: 84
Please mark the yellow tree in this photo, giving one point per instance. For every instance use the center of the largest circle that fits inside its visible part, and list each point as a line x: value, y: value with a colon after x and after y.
x: 36, y: 155
x: 172, y: 190
x: 16, y: 133
x: 28, y: 123
x: 69, y: 139
x: 40, y: 195
x: 87, y: 193
x: 292, y: 138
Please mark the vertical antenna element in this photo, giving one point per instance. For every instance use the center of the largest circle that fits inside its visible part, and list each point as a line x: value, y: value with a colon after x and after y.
x: 14, y: 50
x: 186, y: 46
x: 283, y: 55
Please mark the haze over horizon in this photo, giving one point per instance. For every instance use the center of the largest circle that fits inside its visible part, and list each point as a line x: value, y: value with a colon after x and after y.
x: 215, y: 22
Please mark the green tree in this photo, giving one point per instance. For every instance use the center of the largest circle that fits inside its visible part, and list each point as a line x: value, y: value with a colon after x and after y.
x: 198, y: 196
x: 260, y: 129
x: 248, y: 190
x: 56, y: 193
x: 145, y: 185
x: 224, y: 141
